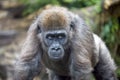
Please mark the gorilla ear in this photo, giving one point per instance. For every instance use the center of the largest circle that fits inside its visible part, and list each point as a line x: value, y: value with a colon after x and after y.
x: 33, y: 27
x: 72, y: 25
x: 39, y: 29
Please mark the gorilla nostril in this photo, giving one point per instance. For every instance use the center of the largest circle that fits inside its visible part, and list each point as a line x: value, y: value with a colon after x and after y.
x: 56, y: 49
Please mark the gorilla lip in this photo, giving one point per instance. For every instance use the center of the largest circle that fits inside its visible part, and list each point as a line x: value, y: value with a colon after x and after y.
x: 56, y: 56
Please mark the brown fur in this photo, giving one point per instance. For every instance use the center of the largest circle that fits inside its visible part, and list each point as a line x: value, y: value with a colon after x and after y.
x: 54, y: 18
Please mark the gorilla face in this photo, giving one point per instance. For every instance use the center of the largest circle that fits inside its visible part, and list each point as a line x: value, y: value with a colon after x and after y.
x: 55, y: 42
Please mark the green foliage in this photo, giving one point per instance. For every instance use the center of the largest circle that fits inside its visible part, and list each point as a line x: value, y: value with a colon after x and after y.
x: 33, y: 5
x: 110, y: 32
x: 78, y: 3
x: 118, y: 72
x: 117, y: 59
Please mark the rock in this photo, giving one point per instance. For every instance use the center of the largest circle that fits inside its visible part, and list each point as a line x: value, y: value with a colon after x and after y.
x: 3, y: 14
x: 9, y: 3
x: 108, y: 3
x: 111, y: 7
x: 3, y: 72
x: 6, y: 37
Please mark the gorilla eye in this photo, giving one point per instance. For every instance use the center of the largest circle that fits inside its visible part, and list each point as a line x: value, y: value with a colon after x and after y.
x: 49, y: 37
x: 60, y: 37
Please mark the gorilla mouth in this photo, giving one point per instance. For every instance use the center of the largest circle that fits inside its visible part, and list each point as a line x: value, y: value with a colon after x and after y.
x: 56, y: 56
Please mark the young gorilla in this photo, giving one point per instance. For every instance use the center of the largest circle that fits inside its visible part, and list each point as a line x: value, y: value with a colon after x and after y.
x: 60, y: 41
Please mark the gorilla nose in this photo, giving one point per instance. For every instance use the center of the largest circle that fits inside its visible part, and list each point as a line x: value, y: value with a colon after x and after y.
x: 56, y: 49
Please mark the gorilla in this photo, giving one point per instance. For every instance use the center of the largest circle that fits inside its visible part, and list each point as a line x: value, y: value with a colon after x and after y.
x: 60, y: 41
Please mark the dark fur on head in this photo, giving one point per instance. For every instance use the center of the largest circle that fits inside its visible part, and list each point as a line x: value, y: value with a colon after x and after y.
x: 54, y: 18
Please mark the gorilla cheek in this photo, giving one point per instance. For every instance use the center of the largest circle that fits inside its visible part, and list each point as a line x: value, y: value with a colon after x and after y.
x: 55, y: 53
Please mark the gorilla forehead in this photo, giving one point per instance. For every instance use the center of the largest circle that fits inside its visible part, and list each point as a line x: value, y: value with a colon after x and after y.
x: 56, y: 18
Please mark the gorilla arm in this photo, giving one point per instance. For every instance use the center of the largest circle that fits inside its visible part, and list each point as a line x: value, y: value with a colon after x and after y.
x: 27, y: 70
x: 90, y: 53
x: 105, y: 68
x: 82, y: 51
x: 28, y: 65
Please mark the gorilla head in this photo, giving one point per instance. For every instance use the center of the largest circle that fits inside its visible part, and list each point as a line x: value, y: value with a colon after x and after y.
x: 54, y: 29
